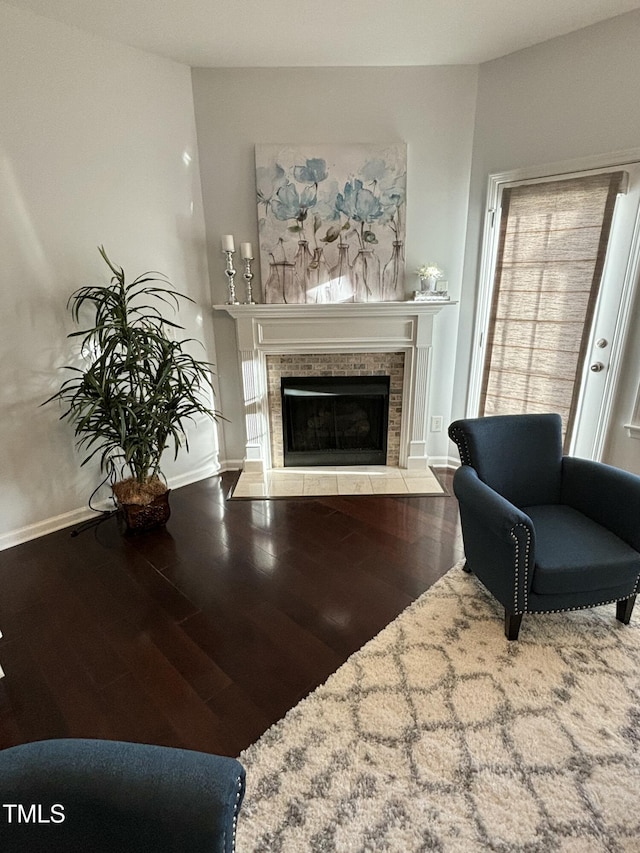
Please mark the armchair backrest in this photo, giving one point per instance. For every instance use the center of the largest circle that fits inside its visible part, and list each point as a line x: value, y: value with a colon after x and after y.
x: 519, y: 456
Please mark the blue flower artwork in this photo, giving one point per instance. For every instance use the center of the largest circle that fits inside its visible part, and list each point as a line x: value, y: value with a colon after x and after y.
x: 331, y: 221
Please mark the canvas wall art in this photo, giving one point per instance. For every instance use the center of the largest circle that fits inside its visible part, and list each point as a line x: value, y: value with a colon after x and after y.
x: 331, y: 221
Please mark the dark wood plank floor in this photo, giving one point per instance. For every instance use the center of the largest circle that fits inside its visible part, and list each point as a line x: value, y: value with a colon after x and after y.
x: 205, y: 633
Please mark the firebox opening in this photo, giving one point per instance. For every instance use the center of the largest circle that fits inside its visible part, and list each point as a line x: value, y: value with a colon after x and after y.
x: 335, y: 420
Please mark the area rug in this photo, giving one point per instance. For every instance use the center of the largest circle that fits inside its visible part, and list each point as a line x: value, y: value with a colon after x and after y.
x: 439, y: 734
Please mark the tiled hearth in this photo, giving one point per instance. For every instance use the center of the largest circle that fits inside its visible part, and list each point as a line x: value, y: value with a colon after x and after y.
x: 343, y: 480
x: 388, y: 338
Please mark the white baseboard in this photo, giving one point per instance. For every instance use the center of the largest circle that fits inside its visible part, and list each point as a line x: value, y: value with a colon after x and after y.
x: 77, y: 516
x: 443, y: 462
x: 232, y: 465
x: 194, y: 476
x: 48, y: 525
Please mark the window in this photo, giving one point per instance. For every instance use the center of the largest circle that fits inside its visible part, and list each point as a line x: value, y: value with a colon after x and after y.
x: 551, y: 252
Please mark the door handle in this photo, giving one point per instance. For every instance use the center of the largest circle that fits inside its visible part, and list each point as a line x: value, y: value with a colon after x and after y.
x: 597, y: 367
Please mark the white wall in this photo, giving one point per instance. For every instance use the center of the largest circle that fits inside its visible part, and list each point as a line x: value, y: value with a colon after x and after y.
x: 92, y: 138
x: 431, y: 109
x: 567, y: 98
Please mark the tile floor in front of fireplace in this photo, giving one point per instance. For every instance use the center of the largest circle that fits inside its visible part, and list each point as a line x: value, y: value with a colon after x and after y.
x: 343, y: 480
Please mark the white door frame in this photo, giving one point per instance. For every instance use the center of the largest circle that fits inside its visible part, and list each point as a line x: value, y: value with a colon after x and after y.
x: 491, y: 235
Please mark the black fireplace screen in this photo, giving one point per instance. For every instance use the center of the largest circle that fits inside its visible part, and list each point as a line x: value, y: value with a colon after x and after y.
x: 335, y: 420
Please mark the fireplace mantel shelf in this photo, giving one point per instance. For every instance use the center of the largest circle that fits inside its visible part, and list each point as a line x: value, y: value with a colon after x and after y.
x: 334, y: 309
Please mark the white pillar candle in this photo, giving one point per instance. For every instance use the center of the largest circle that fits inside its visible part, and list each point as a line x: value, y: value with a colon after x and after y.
x: 246, y: 250
x: 227, y: 243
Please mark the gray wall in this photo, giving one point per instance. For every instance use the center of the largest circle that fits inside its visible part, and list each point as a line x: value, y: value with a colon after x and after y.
x: 91, y: 151
x: 431, y: 109
x: 92, y: 144
x: 567, y: 98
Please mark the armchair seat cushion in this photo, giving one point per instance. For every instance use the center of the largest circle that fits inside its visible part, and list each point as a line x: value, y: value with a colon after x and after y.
x: 575, y: 554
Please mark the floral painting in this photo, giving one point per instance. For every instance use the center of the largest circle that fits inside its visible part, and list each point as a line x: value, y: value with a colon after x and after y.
x: 331, y: 221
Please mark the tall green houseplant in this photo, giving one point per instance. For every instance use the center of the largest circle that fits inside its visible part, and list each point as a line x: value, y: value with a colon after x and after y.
x: 139, y: 389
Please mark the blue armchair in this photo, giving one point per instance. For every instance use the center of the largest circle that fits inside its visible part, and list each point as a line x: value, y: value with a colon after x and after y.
x: 98, y: 796
x: 542, y: 531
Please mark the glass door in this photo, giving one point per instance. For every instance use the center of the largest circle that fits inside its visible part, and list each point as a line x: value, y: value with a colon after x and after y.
x: 555, y: 289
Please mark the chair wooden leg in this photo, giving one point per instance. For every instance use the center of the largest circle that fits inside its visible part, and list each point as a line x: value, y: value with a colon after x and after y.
x: 624, y: 609
x: 466, y: 568
x: 512, y: 622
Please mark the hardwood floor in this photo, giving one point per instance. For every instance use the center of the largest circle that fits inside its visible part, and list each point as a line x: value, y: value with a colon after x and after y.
x: 204, y: 634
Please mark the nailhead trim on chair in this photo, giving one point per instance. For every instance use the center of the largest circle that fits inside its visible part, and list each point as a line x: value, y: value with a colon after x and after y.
x: 579, y: 607
x: 567, y: 609
x: 527, y: 554
x: 461, y: 440
x: 235, y: 812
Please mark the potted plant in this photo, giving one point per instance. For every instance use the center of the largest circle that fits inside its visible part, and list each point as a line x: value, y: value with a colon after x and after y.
x: 140, y: 387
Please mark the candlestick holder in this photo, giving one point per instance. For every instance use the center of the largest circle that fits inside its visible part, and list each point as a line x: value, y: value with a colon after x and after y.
x: 248, y: 276
x: 231, y: 274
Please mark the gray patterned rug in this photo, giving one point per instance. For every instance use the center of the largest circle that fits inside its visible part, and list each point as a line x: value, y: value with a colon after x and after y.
x: 441, y: 735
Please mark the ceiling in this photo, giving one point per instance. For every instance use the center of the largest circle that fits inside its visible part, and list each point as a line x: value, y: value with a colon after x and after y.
x: 277, y: 33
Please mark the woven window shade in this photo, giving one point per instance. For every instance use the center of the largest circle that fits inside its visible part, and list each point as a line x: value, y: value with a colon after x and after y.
x: 553, y: 241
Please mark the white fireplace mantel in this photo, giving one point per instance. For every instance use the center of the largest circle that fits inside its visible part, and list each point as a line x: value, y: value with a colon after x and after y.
x: 352, y: 327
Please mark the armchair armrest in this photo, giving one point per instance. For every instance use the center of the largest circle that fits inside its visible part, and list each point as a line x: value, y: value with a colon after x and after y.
x: 499, y: 539
x: 103, y: 796
x: 498, y: 514
x: 606, y: 495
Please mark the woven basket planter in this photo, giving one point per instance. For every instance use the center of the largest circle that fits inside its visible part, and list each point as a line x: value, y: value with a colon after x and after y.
x: 142, y: 517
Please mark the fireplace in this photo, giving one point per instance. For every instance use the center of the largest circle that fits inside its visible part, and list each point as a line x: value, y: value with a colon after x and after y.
x: 334, y: 366
x: 378, y: 338
x: 335, y: 420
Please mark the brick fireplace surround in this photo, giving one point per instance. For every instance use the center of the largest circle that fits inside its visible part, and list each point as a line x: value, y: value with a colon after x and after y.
x: 389, y: 364
x: 382, y: 338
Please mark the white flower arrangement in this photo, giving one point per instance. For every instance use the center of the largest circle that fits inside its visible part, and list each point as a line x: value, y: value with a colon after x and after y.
x: 430, y: 271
